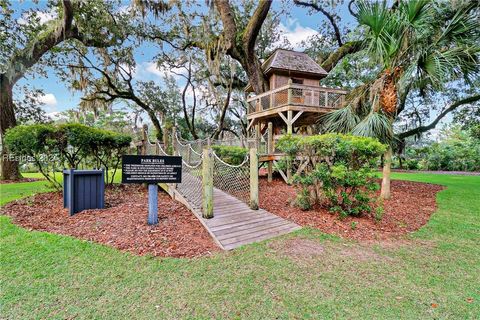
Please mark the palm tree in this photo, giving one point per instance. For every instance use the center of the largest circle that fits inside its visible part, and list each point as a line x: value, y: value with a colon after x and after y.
x: 417, y: 44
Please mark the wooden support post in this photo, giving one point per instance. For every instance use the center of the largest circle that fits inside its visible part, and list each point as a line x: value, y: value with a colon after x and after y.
x: 326, y: 99
x: 253, y: 179
x: 289, y: 122
x: 207, y: 183
x: 270, y: 150
x: 152, y: 204
x: 257, y: 135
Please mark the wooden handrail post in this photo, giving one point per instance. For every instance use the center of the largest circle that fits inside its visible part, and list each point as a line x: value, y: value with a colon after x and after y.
x: 290, y: 92
x: 207, y: 183
x: 253, y: 179
x: 174, y: 137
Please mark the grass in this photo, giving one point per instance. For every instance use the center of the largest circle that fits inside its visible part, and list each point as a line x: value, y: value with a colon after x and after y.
x: 12, y: 191
x: 434, y: 274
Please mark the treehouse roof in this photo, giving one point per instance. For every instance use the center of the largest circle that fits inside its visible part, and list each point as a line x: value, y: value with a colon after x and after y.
x: 291, y: 63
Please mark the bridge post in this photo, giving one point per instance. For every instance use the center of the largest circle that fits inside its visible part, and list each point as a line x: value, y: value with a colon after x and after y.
x: 253, y: 179
x: 144, y: 139
x: 207, y: 183
x: 174, y: 136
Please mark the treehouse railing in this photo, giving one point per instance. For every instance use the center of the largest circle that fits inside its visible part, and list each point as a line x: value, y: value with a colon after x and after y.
x: 299, y: 95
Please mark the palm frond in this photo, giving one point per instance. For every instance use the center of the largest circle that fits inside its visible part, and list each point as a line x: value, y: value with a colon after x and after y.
x: 462, y: 28
x: 375, y: 125
x: 341, y: 120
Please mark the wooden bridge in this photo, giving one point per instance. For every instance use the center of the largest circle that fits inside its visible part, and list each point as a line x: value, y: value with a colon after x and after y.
x: 234, y: 223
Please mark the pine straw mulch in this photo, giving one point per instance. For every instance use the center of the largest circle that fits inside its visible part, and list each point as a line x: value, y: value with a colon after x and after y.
x: 123, y: 224
x: 410, y: 207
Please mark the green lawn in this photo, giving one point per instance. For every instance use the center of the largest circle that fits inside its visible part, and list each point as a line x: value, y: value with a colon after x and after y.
x: 434, y: 274
x: 12, y: 191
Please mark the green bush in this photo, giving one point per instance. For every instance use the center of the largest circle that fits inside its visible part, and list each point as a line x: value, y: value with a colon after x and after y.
x: 338, y: 171
x: 35, y: 143
x: 458, y: 150
x: 230, y: 154
x: 53, y: 148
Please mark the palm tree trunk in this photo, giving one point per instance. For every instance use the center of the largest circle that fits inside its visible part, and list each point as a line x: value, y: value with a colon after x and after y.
x: 385, y: 192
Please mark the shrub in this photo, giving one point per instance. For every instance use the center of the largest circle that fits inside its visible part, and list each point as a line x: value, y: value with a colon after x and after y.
x: 53, y: 148
x: 338, y: 170
x: 35, y: 142
x: 231, y: 154
x: 458, y: 150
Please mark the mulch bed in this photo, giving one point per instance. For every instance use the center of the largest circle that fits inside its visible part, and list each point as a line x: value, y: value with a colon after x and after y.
x: 410, y: 207
x: 123, y: 224
x: 20, y: 180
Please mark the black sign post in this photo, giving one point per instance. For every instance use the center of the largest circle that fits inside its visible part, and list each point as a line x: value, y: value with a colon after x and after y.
x: 151, y: 170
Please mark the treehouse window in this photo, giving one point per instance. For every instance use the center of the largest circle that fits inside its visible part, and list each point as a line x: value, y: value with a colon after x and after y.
x: 297, y: 81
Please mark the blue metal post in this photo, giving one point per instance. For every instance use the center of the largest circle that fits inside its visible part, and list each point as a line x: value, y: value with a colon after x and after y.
x: 101, y: 203
x: 71, y: 192
x: 152, y: 204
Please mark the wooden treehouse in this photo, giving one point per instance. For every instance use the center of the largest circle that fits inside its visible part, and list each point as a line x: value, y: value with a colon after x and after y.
x: 293, y: 103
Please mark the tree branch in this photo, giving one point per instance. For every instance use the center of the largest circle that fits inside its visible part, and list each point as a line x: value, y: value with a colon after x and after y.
x: 329, y: 16
x: 346, y: 49
x: 432, y: 125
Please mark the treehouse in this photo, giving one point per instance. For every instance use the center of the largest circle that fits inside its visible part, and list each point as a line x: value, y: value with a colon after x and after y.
x: 295, y: 99
x: 293, y: 103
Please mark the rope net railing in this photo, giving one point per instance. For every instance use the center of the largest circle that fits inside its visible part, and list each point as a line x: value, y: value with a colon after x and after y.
x: 191, y: 185
x: 234, y: 180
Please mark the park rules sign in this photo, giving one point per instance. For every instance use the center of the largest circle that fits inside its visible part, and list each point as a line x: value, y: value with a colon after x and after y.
x: 151, y: 169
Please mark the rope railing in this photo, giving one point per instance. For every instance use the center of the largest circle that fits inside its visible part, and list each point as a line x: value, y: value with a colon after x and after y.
x: 191, y: 186
x: 233, y: 179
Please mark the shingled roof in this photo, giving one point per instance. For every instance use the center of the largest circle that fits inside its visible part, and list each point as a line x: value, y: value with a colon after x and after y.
x: 292, y: 62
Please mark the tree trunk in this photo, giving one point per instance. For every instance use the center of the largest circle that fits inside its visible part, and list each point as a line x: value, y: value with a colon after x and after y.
x: 155, y: 122
x: 9, y: 169
x: 385, y: 192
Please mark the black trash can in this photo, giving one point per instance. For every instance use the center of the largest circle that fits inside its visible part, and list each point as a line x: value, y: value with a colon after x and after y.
x: 83, y: 189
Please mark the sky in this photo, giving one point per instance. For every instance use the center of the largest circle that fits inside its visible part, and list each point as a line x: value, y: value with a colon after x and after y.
x: 295, y: 26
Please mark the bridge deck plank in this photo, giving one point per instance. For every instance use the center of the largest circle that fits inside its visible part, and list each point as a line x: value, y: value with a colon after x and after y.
x: 234, y: 224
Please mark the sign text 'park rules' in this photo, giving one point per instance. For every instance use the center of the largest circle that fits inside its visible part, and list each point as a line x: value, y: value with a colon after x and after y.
x: 151, y: 169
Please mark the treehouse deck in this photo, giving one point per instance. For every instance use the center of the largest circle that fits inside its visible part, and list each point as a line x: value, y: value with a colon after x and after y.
x: 294, y: 104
